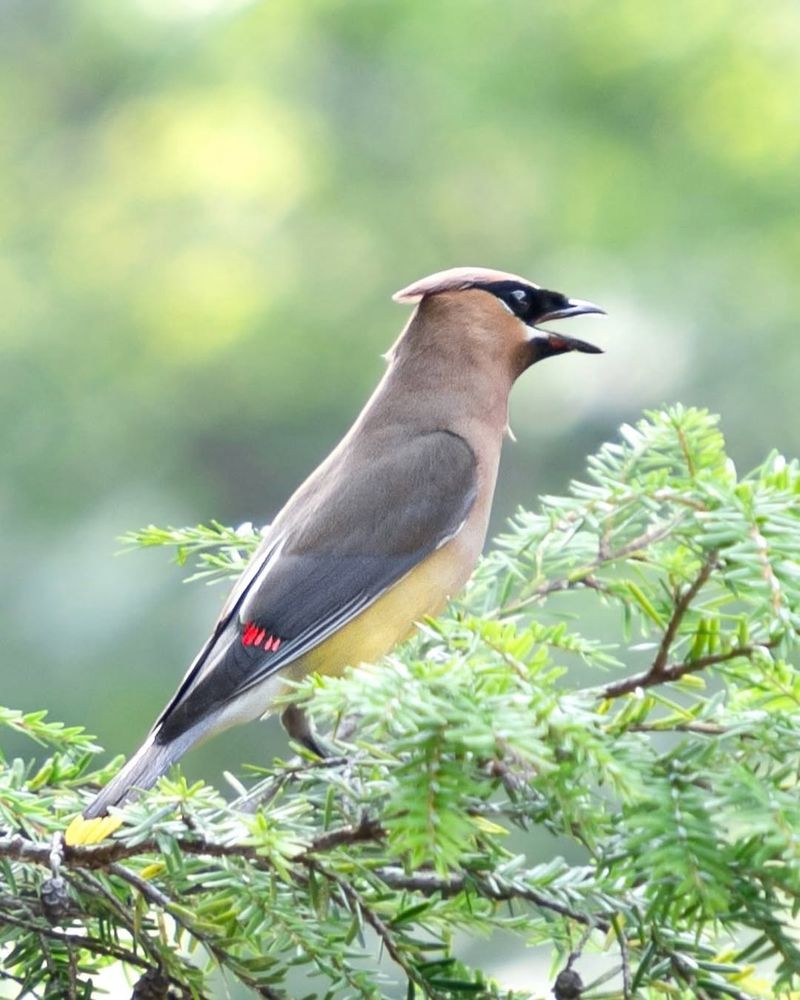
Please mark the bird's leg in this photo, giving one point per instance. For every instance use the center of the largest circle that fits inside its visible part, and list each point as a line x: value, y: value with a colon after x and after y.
x: 300, y: 728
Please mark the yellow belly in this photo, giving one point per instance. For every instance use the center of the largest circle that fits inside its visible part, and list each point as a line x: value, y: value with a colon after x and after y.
x: 423, y: 592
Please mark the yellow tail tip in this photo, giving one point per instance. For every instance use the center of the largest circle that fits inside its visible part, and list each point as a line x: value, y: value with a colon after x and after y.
x: 84, y: 832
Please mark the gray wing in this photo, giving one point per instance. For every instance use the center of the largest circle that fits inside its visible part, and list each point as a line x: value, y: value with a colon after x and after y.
x: 334, y: 550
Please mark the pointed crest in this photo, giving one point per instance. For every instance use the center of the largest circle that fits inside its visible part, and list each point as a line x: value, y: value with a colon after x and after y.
x: 454, y: 279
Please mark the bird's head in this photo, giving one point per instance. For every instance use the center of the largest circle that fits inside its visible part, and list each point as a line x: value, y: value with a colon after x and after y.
x: 508, y: 297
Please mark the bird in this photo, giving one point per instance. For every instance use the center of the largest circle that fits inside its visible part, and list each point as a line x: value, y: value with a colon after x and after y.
x: 383, y: 533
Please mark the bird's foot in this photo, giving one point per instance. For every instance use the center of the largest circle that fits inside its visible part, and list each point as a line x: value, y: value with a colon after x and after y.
x: 300, y: 728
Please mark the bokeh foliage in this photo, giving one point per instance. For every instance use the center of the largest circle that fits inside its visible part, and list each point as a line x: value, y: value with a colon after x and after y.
x: 205, y: 204
x: 666, y: 760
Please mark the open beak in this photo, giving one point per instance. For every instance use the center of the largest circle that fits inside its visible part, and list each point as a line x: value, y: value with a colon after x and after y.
x: 574, y: 307
x: 556, y: 343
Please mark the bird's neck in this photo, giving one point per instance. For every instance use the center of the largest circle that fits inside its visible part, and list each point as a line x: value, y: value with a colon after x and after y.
x: 444, y: 376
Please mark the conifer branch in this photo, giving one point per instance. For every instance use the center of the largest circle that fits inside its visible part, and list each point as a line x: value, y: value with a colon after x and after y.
x: 481, y: 727
x: 675, y: 671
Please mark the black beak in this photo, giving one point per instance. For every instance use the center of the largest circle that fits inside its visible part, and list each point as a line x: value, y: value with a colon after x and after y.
x: 574, y: 307
x: 549, y: 343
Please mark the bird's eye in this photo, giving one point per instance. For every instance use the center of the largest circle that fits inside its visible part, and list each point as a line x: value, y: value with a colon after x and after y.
x: 515, y: 297
x: 518, y: 302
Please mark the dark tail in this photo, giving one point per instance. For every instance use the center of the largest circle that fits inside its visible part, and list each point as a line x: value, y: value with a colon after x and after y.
x: 142, y: 771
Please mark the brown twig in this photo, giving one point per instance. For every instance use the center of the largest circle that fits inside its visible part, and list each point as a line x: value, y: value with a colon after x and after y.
x: 685, y: 449
x: 674, y: 671
x: 762, y: 548
x: 662, y: 672
x: 429, y: 883
x: 95, y: 945
x: 82, y: 880
x: 355, y: 900
x: 682, y: 605
x: 366, y: 829
x: 265, y: 791
x: 157, y: 898
x: 619, y: 933
x: 107, y: 857
x: 19, y: 848
x: 578, y: 577
x: 703, y: 728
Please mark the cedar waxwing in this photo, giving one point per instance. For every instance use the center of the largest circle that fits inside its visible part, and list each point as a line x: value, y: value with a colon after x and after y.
x: 385, y: 531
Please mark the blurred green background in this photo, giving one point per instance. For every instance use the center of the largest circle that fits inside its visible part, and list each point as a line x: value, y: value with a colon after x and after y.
x: 205, y: 206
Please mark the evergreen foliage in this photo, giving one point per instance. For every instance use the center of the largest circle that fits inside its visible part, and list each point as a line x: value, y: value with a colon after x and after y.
x: 618, y: 676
